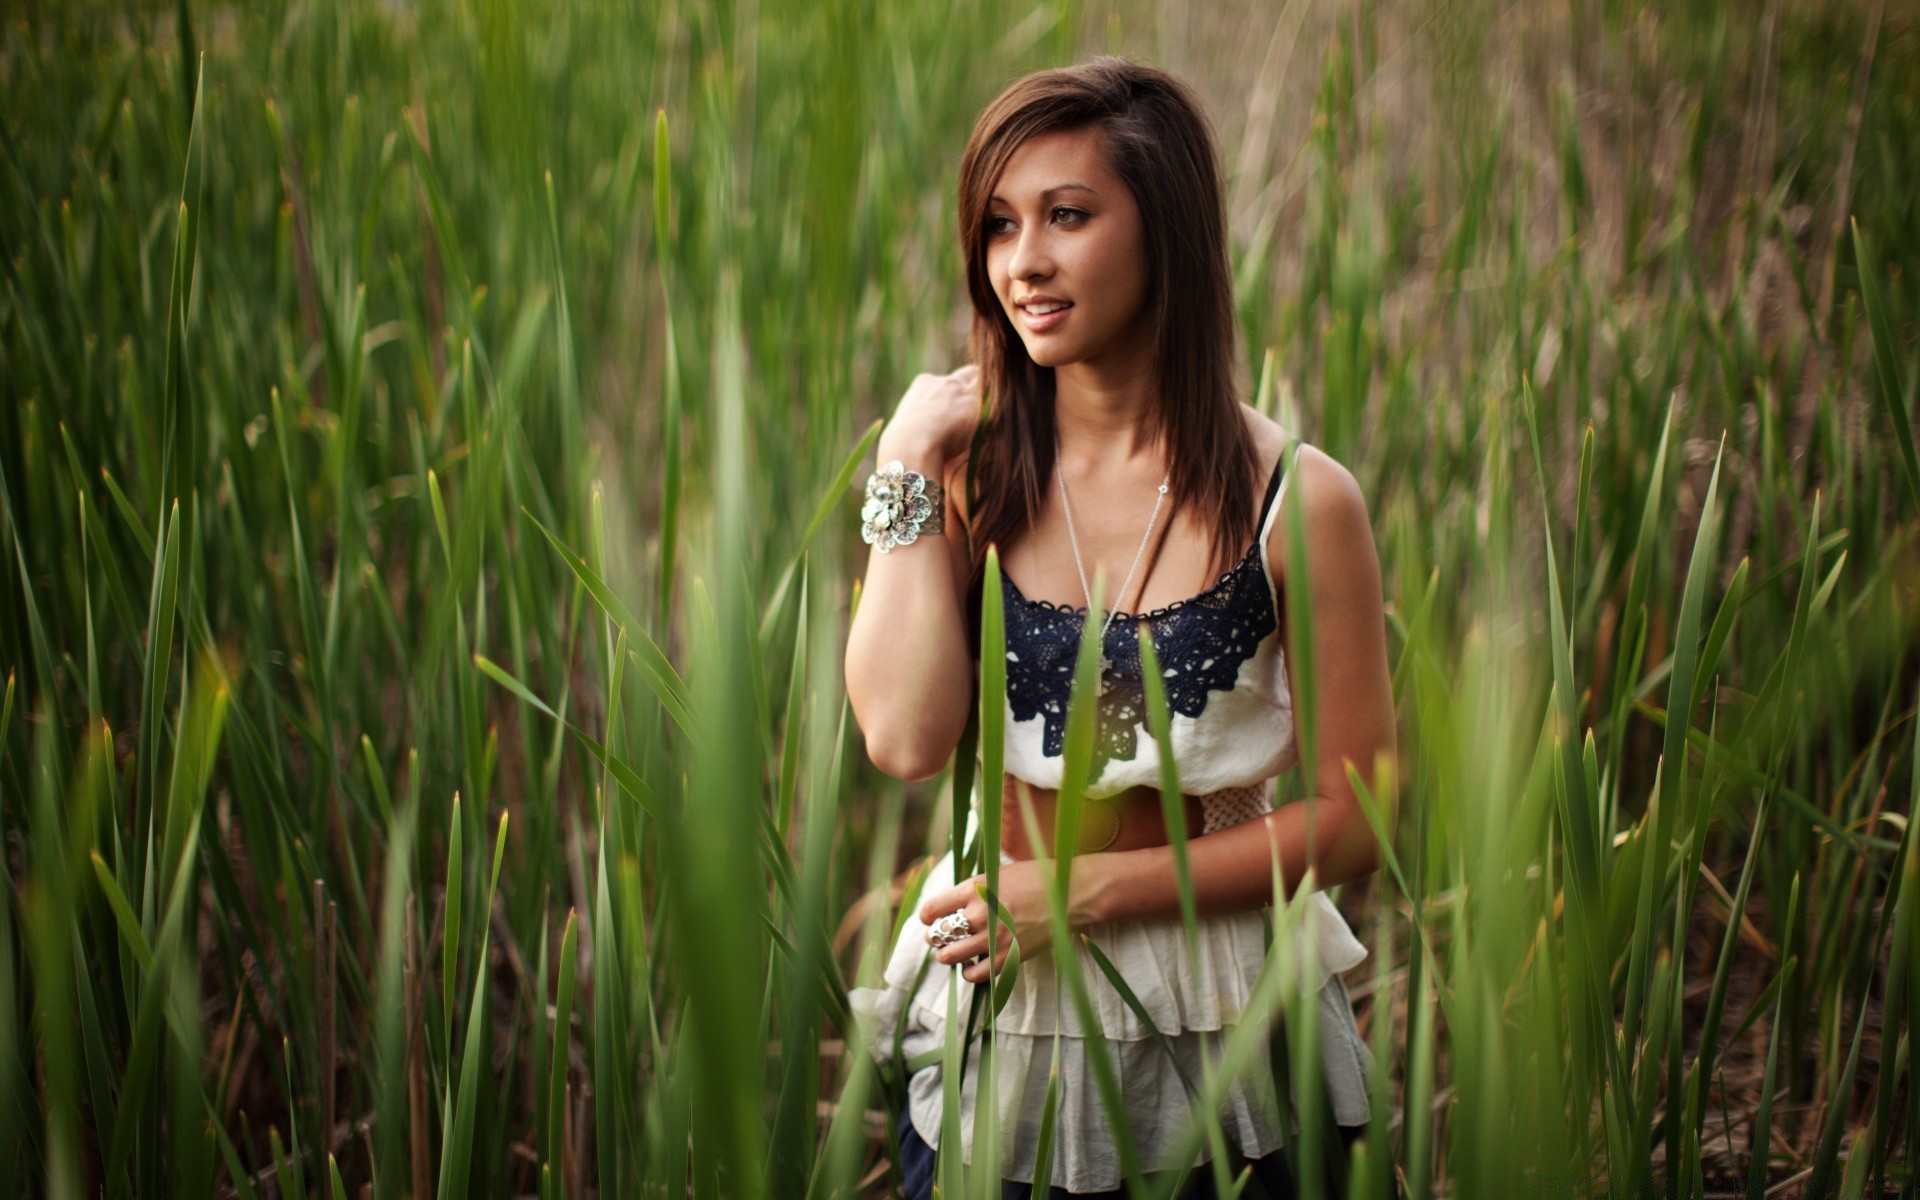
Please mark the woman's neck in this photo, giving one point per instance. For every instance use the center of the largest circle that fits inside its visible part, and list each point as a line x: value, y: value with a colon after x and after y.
x: 1103, y: 411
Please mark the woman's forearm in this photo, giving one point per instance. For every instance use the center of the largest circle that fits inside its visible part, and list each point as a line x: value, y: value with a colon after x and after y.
x: 1232, y: 869
x: 908, y: 669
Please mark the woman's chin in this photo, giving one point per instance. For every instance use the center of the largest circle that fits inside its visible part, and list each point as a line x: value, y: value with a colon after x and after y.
x: 1049, y: 354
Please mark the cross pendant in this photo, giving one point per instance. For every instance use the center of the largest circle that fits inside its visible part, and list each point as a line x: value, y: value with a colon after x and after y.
x: 1106, y: 666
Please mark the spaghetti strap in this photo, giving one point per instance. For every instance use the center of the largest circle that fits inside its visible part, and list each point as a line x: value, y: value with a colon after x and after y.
x: 1269, y: 506
x: 1275, y: 486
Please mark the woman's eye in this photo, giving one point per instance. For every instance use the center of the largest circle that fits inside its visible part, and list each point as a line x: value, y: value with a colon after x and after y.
x: 997, y: 225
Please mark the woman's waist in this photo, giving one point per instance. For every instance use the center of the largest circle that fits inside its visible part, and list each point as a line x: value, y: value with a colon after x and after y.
x: 1132, y: 819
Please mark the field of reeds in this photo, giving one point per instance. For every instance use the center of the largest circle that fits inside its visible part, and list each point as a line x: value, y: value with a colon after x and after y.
x: 429, y: 444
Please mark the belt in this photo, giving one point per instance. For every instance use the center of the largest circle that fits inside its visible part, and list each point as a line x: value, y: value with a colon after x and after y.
x: 1130, y: 820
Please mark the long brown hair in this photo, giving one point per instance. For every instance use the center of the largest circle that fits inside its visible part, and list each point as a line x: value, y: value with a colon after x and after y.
x: 1156, y: 139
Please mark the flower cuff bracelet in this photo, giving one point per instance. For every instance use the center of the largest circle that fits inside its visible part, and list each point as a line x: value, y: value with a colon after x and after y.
x: 901, y: 505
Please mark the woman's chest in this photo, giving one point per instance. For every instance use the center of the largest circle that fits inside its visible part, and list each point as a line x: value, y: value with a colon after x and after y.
x: 1201, y: 651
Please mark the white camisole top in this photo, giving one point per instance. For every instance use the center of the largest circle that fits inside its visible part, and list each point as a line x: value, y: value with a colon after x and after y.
x: 1224, y: 668
x: 1223, y: 665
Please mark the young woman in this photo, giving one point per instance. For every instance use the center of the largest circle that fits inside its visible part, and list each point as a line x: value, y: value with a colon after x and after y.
x: 1115, y: 443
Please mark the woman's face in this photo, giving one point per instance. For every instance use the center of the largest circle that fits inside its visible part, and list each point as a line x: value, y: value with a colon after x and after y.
x: 1064, y: 230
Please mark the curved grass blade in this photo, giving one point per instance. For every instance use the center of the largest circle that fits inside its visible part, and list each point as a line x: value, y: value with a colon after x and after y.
x: 457, y: 1150
x: 622, y: 773
x: 991, y: 720
x: 6, y: 717
x: 993, y: 735
x: 1674, y: 804
x: 1278, y: 976
x: 1633, y: 613
x: 1723, y: 969
x: 499, y: 675
x: 391, y: 1034
x: 1139, y: 1010
x: 951, y: 1165
x: 1172, y: 803
x: 451, y: 938
x: 1763, y: 1119
x: 123, y: 916
x: 562, y: 1048
x: 1049, y: 1118
x: 204, y: 709
x: 661, y: 676
x: 831, y: 499
x: 1076, y: 770
x: 1083, y: 712
x: 1884, y: 349
x: 670, y: 414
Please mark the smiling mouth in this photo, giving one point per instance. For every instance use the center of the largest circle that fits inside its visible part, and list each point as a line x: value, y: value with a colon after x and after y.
x: 1043, y: 316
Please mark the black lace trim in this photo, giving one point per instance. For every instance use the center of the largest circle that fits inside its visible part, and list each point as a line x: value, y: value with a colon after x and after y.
x: 1079, y: 611
x: 1202, y: 642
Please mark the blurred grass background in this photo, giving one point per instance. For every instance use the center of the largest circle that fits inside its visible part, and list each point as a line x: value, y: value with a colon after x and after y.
x: 425, y: 501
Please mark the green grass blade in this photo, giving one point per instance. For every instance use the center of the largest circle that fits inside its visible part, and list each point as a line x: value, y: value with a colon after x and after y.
x: 492, y: 671
x: 130, y: 931
x: 993, y: 738
x: 1173, y: 810
x: 1884, y: 350
x: 555, y: 1150
x: 1049, y: 1121
x: 1763, y: 1119
x: 1723, y: 967
x: 1139, y: 1010
x: 833, y: 498
x: 452, y: 936
x: 1083, y: 710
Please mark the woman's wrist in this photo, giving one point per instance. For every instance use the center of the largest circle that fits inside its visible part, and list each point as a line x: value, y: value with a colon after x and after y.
x: 1090, y: 892
x: 912, y: 451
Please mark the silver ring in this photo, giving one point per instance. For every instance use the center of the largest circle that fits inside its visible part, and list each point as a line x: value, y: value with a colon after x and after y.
x: 951, y: 928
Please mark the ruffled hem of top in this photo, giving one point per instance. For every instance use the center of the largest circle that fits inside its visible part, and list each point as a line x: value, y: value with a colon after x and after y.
x: 1183, y: 1004
x: 1206, y: 992
x: 1159, y: 1103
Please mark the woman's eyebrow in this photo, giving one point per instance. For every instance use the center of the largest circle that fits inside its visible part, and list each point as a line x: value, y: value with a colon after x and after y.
x: 1050, y: 193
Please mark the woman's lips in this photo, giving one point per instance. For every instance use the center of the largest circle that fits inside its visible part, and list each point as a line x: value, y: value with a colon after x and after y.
x: 1041, y: 322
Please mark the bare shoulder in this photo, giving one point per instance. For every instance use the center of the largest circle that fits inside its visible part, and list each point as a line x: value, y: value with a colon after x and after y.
x: 1328, y: 490
x: 1320, y: 478
x: 1333, y: 509
x: 1269, y: 436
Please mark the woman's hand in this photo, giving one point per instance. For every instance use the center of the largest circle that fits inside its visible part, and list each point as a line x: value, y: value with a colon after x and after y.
x: 1024, y: 898
x: 936, y: 417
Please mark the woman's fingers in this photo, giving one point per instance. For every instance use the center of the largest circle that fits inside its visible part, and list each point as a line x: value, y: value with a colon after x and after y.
x: 965, y: 950
x: 987, y: 967
x: 970, y: 952
x: 961, y: 896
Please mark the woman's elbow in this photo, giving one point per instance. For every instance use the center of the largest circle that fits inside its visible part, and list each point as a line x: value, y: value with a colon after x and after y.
x: 910, y: 739
x: 906, y: 758
x: 909, y: 750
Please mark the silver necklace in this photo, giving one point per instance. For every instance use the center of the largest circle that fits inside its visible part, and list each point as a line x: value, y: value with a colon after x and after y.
x: 1066, y: 506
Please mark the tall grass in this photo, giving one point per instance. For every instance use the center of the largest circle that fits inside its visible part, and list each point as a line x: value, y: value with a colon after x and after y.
x: 425, y: 476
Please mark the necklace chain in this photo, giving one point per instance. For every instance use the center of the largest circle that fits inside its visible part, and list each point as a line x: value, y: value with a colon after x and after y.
x: 1066, y: 507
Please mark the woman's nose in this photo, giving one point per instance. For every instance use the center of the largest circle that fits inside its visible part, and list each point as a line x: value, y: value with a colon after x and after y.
x: 1030, y: 258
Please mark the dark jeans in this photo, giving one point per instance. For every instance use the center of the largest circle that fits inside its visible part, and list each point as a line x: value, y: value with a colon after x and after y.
x: 1269, y: 1173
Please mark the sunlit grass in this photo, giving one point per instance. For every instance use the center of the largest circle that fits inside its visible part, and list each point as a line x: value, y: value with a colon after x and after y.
x: 426, y: 480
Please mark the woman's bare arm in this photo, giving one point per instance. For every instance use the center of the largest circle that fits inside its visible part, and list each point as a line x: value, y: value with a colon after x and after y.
x: 1232, y: 869
x: 908, y: 670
